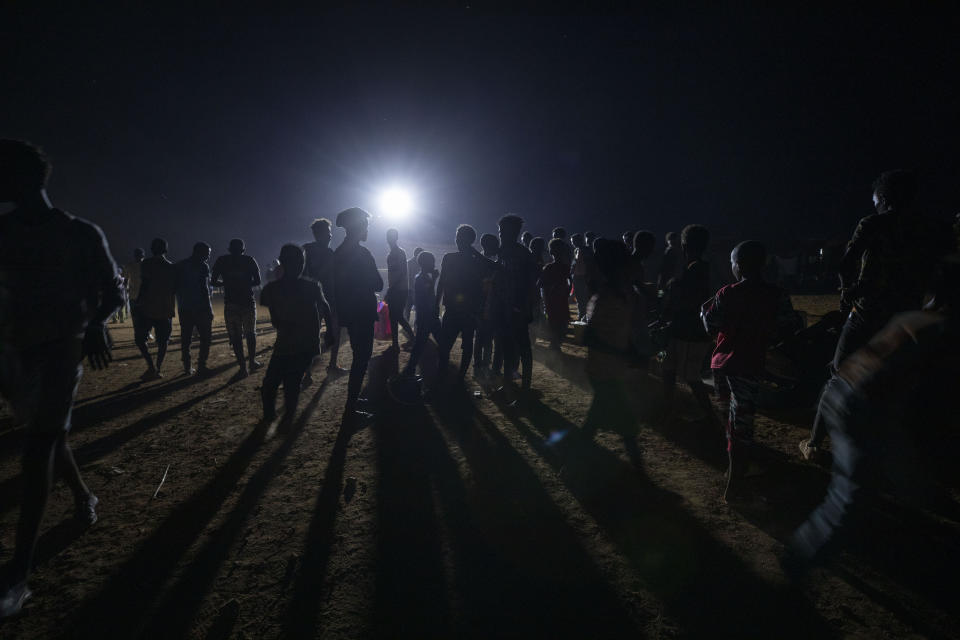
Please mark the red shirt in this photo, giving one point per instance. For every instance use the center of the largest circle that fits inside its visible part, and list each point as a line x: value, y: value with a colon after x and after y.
x: 745, y: 315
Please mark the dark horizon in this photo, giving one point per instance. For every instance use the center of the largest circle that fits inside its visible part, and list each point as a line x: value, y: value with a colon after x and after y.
x: 757, y: 122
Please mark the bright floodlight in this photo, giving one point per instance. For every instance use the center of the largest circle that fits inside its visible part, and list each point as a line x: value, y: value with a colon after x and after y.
x: 396, y: 203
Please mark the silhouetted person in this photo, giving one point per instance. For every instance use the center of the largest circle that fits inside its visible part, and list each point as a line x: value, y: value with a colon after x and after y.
x: 319, y: 268
x: 884, y: 270
x: 593, y: 274
x: 238, y: 274
x: 412, y: 270
x: 610, y: 318
x: 525, y: 239
x: 460, y: 288
x: 746, y: 317
x: 484, y: 344
x: 296, y: 306
x: 538, y: 248
x: 555, y: 288
x: 58, y: 286
x: 156, y: 303
x: 398, y: 284
x: 689, y: 343
x: 194, y: 307
x: 131, y: 281
x: 515, y: 300
x: 580, y: 267
x: 559, y: 233
x: 356, y: 281
x: 891, y: 414
x: 671, y: 265
x: 627, y: 237
x: 428, y: 318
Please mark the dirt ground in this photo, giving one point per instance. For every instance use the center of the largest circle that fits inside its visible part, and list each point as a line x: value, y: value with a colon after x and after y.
x: 463, y: 518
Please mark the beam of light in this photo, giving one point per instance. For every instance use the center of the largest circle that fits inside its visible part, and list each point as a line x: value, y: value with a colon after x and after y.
x: 395, y: 203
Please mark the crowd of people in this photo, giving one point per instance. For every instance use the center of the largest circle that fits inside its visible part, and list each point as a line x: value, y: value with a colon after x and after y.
x: 59, y: 285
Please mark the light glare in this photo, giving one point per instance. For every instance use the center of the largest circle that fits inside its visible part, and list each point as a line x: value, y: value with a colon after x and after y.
x: 396, y: 203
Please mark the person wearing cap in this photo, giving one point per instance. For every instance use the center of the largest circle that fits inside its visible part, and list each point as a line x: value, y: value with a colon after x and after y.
x: 238, y: 274
x: 356, y: 283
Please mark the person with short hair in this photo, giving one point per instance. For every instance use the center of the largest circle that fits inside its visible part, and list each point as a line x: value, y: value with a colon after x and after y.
x: 397, y: 287
x: 689, y: 343
x: 525, y: 239
x: 319, y: 268
x: 559, y: 233
x: 554, y: 284
x: 296, y: 307
x: 238, y: 274
x: 627, y: 237
x: 194, y: 307
x: 58, y: 286
x: 884, y: 270
x: 745, y: 316
x: 356, y: 282
x: 156, y: 305
x: 428, y: 316
x: 460, y: 289
x: 515, y: 298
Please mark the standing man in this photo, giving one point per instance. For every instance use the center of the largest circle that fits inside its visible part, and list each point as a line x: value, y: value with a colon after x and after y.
x: 397, y: 287
x: 356, y: 282
x: 58, y: 286
x: 238, y: 274
x: 158, y: 284
x: 516, y: 297
x: 460, y: 288
x: 319, y: 268
x: 194, y: 307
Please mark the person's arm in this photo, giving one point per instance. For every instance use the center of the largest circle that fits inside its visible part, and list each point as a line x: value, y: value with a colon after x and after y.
x: 851, y: 256
x: 711, y: 314
x: 376, y: 281
x: 441, y: 281
x: 106, y: 297
x: 216, y: 277
x: 254, y: 272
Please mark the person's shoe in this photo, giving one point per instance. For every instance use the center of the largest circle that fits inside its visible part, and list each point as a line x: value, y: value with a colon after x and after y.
x: 12, y: 601
x: 86, y: 512
x: 356, y: 417
x: 188, y: 370
x: 254, y: 365
x: 807, y: 450
x: 203, y: 371
x: 336, y: 370
x: 306, y: 382
x: 150, y: 374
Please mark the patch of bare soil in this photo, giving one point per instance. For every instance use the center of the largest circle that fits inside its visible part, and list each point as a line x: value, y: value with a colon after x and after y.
x: 461, y: 518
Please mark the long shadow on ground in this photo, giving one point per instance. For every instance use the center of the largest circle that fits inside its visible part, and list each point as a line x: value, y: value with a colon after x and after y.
x: 703, y: 584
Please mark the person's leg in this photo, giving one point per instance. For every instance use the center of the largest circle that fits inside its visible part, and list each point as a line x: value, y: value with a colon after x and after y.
x: 525, y: 352
x: 187, y: 322
x: 510, y: 350
x: 497, y: 340
x: 140, y: 339
x: 163, y: 328
x: 205, y: 327
x: 292, y: 375
x: 449, y: 328
x: 419, y: 344
x: 250, y: 332
x: 37, y: 474
x: 394, y: 320
x: 232, y: 318
x: 467, y: 330
x: 335, y: 331
x: 271, y: 382
x: 361, y: 343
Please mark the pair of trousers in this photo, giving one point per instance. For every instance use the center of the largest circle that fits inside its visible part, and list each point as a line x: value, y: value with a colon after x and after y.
x: 515, y: 341
x: 287, y: 368
x: 581, y: 293
x: 856, y: 332
x: 424, y: 328
x: 202, y: 320
x: 743, y: 406
x: 456, y: 323
x: 361, y: 345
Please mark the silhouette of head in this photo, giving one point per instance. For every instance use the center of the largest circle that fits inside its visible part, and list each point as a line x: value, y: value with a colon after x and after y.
x: 643, y: 244
x: 158, y: 247
x: 322, y: 231
x: 24, y: 170
x: 236, y: 247
x: 392, y: 236
x: 537, y: 247
x: 672, y: 238
x: 560, y: 250
x: 611, y: 259
x: 292, y: 260
x: 201, y: 251
x: 747, y: 259
x: 526, y: 238
x: 490, y: 244
x: 694, y: 239
x: 590, y: 237
x: 417, y: 251
x: 466, y: 236
x: 560, y: 233
x: 426, y: 261
x: 138, y: 254
x: 355, y: 221
x: 894, y: 190
x: 509, y: 227
x: 578, y: 240
x: 627, y: 237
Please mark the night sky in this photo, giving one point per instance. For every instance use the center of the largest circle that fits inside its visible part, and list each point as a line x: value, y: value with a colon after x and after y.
x: 205, y: 125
